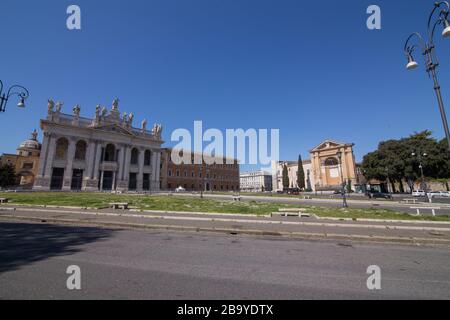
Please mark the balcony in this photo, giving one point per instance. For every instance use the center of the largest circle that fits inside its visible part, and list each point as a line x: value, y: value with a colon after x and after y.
x: 109, y: 166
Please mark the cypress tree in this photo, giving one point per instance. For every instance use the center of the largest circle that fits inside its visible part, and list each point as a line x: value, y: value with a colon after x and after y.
x: 300, y: 174
x: 285, y: 177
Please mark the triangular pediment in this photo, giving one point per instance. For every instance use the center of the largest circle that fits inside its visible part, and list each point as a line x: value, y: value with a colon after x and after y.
x: 328, y: 144
x: 115, y: 128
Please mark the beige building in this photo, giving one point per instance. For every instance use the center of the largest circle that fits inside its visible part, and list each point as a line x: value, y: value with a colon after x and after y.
x: 325, y: 171
x: 329, y: 170
x: 25, y: 161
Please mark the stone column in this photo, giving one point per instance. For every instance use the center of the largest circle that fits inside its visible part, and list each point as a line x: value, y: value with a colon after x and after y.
x: 69, y: 164
x: 122, y: 185
x: 92, y: 160
x: 140, y: 176
x: 50, y: 156
x: 43, y: 155
x: 90, y: 154
x: 97, y: 161
x: 120, y: 162
x: 42, y: 181
x: 157, y: 169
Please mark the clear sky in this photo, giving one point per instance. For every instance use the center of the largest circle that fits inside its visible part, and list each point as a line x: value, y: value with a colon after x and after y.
x: 311, y: 69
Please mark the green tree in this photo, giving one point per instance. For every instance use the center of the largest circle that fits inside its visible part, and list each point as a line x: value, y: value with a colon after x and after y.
x: 300, y: 174
x: 7, y: 176
x: 285, y: 177
x: 394, y: 160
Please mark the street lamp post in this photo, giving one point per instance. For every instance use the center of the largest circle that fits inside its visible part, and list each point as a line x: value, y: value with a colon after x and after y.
x: 432, y: 63
x: 15, y: 90
x: 344, y: 199
x: 420, y: 156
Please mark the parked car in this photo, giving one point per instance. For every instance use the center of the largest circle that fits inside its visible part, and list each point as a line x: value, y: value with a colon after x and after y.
x: 419, y: 193
x: 444, y: 194
x: 180, y: 189
x: 380, y: 195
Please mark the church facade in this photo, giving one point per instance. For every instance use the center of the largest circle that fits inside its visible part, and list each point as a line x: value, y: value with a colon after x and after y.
x: 331, y: 164
x: 103, y: 153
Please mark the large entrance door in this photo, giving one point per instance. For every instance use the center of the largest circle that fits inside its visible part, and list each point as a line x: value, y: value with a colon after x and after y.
x: 133, y: 181
x: 56, y: 182
x: 146, y: 182
x: 77, y: 180
x: 107, y: 180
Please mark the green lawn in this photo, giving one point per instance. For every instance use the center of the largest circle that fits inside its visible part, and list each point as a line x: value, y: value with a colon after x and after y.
x: 370, y: 213
x: 166, y: 203
x: 196, y: 204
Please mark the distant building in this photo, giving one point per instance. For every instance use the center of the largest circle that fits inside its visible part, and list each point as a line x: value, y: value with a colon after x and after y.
x: 25, y: 161
x: 257, y: 181
x: 324, y: 171
x: 197, y: 177
x: 292, y: 167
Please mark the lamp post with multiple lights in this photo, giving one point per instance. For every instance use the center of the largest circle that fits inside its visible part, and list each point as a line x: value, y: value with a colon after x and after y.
x: 344, y: 199
x: 14, y: 90
x: 442, y: 9
x: 420, y: 156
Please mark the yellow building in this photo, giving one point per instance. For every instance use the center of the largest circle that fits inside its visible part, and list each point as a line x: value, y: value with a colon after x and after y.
x: 333, y: 163
x: 330, y: 165
x: 25, y: 161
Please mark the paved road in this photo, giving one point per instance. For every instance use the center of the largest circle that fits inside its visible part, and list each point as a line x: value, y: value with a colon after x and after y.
x: 121, y: 264
x: 412, y: 232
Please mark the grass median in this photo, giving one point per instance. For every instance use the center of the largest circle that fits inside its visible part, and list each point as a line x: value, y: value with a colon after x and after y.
x: 142, y: 202
x: 196, y: 204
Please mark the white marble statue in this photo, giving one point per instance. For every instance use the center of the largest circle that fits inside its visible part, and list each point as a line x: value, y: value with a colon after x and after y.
x: 115, y: 104
x: 50, y: 105
x: 59, y: 105
x: 76, y: 111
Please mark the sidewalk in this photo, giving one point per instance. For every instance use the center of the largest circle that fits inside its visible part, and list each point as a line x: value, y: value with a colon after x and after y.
x: 407, y: 232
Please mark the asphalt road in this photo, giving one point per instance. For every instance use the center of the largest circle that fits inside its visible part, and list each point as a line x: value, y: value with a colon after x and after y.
x: 127, y: 264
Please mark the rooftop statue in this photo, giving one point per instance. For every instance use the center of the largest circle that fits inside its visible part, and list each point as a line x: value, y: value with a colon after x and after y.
x: 50, y: 105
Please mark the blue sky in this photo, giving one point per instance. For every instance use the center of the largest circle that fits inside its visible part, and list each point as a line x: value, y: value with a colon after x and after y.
x: 312, y: 70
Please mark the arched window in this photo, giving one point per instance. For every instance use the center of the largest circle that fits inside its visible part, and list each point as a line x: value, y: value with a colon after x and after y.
x: 80, y: 151
x: 147, y: 158
x: 134, y: 156
x: 61, y: 149
x: 331, y: 162
x: 110, y: 153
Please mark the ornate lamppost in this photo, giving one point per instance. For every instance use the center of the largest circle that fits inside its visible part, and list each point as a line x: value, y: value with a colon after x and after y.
x: 420, y: 157
x: 15, y: 90
x: 344, y: 199
x: 442, y: 8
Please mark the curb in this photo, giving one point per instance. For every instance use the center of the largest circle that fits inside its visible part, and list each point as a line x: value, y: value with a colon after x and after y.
x: 229, y: 231
x: 11, y: 207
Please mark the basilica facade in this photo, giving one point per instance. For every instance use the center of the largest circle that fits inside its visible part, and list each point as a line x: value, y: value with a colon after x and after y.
x: 103, y: 153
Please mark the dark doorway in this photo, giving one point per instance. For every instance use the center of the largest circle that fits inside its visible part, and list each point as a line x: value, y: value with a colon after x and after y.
x: 146, y: 182
x: 132, y: 185
x: 107, y: 180
x: 56, y: 182
x: 77, y: 180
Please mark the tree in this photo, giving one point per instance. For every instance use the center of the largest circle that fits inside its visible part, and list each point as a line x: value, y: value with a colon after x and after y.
x: 300, y: 174
x: 285, y: 177
x: 7, y: 176
x: 394, y: 160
